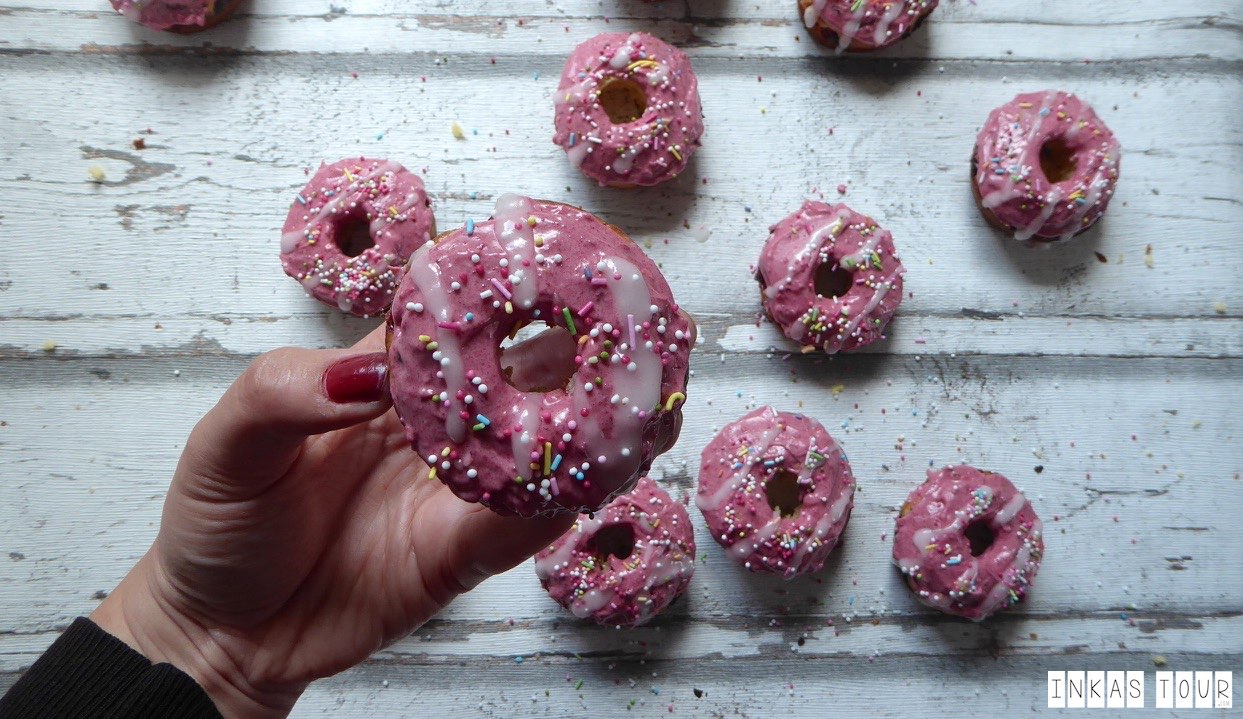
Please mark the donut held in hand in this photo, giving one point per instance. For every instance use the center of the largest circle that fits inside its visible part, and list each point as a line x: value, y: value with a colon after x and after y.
x: 606, y: 396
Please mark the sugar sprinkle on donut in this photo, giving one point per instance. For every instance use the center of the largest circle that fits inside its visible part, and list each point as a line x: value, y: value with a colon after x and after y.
x: 626, y: 563
x: 1045, y: 166
x: 830, y: 277
x: 351, y: 230
x: 627, y: 110
x: 968, y: 542
x: 776, y: 491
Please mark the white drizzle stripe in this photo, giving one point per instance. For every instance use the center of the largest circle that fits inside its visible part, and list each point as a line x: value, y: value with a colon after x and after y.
x: 518, y: 237
x: 425, y: 274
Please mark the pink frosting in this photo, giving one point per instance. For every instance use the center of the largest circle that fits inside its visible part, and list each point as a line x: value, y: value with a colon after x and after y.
x: 733, y: 477
x: 529, y: 453
x: 165, y: 14
x: 931, y: 545
x: 630, y: 590
x: 863, y: 25
x: 385, y: 196
x: 647, y: 151
x: 836, y: 235
x: 1009, y: 179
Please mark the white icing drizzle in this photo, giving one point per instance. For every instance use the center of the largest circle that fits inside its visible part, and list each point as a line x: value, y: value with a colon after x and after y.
x: 290, y: 239
x: 592, y: 601
x: 641, y: 386
x: 425, y: 274
x: 893, y: 12
x: 578, y: 152
x: 713, y: 502
x: 518, y: 237
x: 812, y: 13
x: 546, y: 565
x: 744, y: 547
x: 1011, y: 510
x: 851, y: 29
x: 522, y: 443
x: 621, y: 58
x: 814, y: 242
x: 1050, y: 206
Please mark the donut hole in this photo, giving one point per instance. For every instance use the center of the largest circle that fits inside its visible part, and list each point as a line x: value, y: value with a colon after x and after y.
x: 832, y: 281
x: 1057, y: 160
x: 353, y: 235
x: 784, y: 493
x: 613, y: 540
x: 623, y: 100
x: 537, y: 357
x: 979, y: 536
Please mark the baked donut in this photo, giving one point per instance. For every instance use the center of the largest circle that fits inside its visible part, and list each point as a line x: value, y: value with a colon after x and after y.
x: 1044, y: 167
x: 776, y: 492
x: 968, y: 542
x: 184, y: 16
x: 350, y: 232
x: 862, y: 25
x: 490, y: 434
x: 627, y: 110
x: 830, y: 278
x: 625, y: 564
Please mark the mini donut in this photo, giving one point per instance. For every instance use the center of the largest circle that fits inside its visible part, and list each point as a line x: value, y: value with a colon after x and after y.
x: 1044, y: 167
x: 625, y: 564
x: 183, y: 16
x: 830, y: 278
x: 776, y: 492
x: 863, y: 25
x: 968, y: 542
x: 628, y: 111
x: 347, y: 206
x: 538, y: 450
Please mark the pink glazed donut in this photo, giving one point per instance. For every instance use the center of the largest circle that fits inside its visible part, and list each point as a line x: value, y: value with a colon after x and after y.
x: 776, y: 492
x: 350, y: 232
x: 536, y: 451
x: 968, y: 542
x: 830, y: 278
x: 1044, y: 167
x: 627, y: 563
x: 182, y: 16
x: 628, y: 111
x: 863, y: 25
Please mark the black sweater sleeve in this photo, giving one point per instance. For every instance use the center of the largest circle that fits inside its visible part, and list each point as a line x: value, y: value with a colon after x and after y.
x: 90, y: 673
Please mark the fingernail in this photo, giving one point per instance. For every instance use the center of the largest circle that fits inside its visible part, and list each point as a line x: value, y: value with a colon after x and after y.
x: 363, y: 378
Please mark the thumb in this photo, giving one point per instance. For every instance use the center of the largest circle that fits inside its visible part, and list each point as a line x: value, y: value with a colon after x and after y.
x: 471, y: 543
x: 256, y: 430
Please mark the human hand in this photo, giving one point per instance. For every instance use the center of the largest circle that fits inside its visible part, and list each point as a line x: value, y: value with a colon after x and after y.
x: 301, y: 534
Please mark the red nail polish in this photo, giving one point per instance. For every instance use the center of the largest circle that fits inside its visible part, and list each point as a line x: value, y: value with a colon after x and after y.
x: 358, y: 379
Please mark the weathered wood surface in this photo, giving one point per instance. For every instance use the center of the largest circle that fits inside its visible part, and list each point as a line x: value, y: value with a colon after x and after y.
x: 1117, y: 375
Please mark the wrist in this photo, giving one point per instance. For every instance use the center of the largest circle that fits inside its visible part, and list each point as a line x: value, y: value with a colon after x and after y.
x: 140, y: 613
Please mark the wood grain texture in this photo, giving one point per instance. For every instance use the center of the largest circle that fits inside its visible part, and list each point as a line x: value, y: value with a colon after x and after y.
x: 1101, y: 376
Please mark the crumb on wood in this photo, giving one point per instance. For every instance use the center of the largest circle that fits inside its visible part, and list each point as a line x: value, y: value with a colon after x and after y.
x: 96, y: 174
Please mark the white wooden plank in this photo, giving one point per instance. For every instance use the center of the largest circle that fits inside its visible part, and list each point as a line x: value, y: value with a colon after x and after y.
x: 84, y: 510
x: 185, y: 236
x: 970, y: 332
x: 1117, y: 378
x: 958, y: 32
